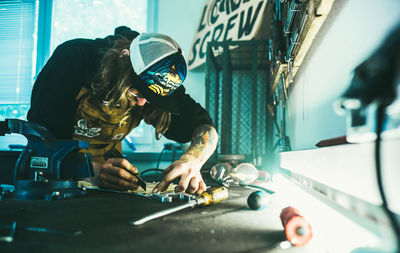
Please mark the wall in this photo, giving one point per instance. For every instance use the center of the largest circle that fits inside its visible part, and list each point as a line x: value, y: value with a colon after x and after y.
x: 179, y: 19
x: 350, y: 34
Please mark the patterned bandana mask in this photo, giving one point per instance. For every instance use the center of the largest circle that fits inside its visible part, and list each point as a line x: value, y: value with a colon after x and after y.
x: 164, y: 77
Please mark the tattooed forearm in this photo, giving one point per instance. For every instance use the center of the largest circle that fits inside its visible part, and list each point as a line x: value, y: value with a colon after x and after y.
x: 204, y: 142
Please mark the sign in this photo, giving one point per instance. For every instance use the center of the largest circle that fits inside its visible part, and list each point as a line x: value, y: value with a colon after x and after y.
x: 223, y: 20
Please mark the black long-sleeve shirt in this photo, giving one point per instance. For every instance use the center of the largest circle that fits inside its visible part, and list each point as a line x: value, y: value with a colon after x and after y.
x: 61, y: 97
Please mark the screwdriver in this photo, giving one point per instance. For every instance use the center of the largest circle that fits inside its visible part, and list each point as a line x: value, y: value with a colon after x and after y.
x: 206, y: 198
x: 10, y: 231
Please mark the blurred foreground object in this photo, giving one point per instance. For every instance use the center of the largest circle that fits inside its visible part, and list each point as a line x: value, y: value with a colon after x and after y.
x: 297, y: 229
x: 372, y: 105
x: 376, y: 81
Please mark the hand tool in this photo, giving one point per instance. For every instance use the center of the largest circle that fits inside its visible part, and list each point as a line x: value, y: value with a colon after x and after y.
x: 10, y: 231
x: 297, y: 229
x: 206, y: 198
x: 7, y: 232
x: 53, y: 231
x: 140, y: 181
x: 113, y: 153
x: 258, y: 200
x: 96, y: 188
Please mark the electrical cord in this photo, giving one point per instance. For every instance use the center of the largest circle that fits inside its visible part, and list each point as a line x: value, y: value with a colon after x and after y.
x: 380, y: 114
x: 169, y: 147
x: 159, y: 157
x: 151, y: 170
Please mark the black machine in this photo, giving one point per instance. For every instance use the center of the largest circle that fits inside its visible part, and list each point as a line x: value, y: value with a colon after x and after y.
x: 47, y: 168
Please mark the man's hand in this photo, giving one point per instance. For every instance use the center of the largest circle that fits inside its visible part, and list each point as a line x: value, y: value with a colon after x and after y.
x: 188, y: 170
x: 113, y: 174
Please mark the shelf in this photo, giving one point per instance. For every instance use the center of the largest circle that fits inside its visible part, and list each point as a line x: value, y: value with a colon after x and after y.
x: 299, y: 29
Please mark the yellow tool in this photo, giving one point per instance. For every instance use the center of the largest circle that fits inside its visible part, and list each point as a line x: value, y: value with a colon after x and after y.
x: 211, y: 196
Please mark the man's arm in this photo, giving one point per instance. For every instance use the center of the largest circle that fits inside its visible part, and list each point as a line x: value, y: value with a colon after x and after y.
x: 203, y: 145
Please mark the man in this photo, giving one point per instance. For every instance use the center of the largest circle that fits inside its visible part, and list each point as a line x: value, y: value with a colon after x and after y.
x: 99, y: 90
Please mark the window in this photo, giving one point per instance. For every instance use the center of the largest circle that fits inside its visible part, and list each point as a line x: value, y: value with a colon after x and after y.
x: 98, y: 19
x: 17, y: 55
x: 95, y: 18
x: 30, y: 30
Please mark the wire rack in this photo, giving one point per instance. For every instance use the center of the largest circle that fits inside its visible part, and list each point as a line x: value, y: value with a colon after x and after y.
x: 237, y: 94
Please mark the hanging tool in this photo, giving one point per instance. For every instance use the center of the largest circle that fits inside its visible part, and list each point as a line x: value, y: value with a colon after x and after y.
x: 278, y: 40
x: 206, y: 198
x: 294, y: 8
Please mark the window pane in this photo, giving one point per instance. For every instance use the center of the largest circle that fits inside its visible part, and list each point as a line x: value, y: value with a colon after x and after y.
x: 95, y: 18
x: 17, y: 41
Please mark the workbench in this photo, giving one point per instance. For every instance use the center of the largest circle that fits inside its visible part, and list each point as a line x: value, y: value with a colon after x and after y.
x: 101, y: 221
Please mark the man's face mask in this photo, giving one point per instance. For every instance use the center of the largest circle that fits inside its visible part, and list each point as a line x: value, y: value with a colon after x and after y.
x: 164, y: 77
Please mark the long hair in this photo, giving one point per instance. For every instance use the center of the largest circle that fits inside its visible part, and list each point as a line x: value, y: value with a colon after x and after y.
x: 112, y: 82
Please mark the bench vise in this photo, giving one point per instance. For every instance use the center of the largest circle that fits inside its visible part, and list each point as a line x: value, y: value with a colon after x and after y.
x: 47, y: 168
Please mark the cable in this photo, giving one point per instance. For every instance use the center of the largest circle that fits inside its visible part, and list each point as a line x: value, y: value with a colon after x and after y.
x: 169, y: 147
x: 151, y: 170
x: 159, y: 158
x: 380, y: 113
x: 173, y: 154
